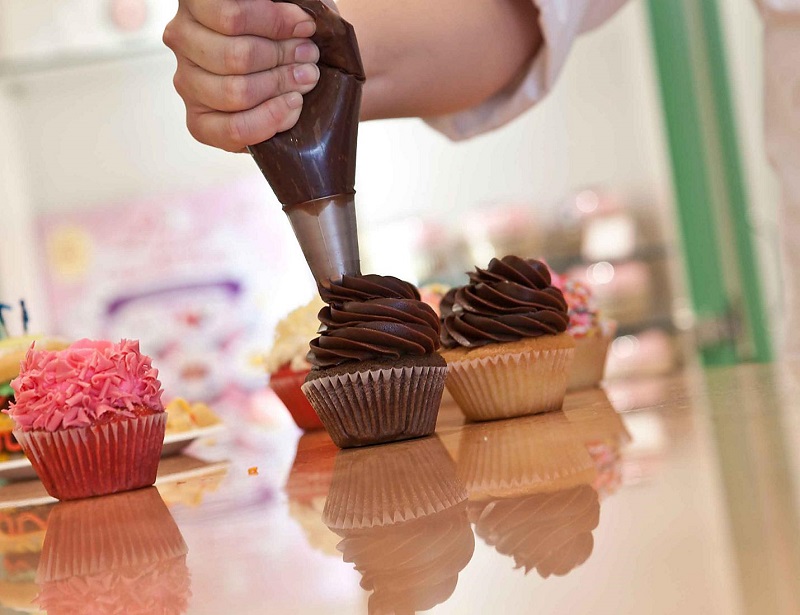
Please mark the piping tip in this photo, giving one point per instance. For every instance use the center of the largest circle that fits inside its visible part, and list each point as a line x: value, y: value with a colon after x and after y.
x: 326, y: 231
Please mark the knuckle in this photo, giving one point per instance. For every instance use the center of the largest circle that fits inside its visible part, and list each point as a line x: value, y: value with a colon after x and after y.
x: 236, y: 91
x: 196, y: 129
x: 234, y: 132
x: 238, y: 56
x: 232, y: 18
x: 178, y: 83
x: 171, y: 36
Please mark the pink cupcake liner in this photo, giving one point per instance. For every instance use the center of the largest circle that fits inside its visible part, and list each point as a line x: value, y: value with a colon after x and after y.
x: 96, y: 460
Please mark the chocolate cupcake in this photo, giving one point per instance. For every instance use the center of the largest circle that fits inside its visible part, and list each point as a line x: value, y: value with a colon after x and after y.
x: 376, y: 375
x: 506, y: 347
x: 401, y: 513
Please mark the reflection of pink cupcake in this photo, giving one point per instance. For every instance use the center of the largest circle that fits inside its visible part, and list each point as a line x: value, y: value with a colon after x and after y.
x: 401, y: 513
x: 592, y: 333
x: 90, y: 418
x: 287, y: 365
x: 118, y: 554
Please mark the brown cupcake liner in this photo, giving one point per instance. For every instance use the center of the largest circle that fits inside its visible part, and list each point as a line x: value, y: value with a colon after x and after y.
x: 97, y: 460
x: 509, y: 385
x: 391, y: 484
x: 97, y: 535
x: 529, y: 455
x: 376, y: 406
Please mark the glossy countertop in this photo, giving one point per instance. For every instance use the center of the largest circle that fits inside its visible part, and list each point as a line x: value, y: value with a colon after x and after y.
x: 670, y: 495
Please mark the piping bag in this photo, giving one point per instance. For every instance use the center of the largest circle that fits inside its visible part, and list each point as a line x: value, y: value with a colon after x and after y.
x: 312, y: 167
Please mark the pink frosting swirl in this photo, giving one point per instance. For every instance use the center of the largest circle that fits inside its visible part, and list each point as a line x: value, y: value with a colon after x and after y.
x: 89, y: 382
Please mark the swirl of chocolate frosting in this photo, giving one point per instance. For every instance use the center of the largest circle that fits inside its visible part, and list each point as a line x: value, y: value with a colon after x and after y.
x: 511, y: 299
x: 372, y: 317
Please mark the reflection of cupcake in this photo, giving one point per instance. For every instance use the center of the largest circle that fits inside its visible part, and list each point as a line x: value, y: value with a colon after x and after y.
x: 22, y: 533
x: 287, y: 365
x: 531, y: 454
x: 593, y: 419
x: 307, y: 489
x: 90, y: 418
x: 507, y: 352
x: 549, y: 532
x: 592, y: 333
x: 400, y: 511
x: 376, y: 377
x: 118, y: 554
x: 530, y: 485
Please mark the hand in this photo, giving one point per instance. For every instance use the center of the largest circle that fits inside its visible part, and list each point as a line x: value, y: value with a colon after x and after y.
x: 243, y: 66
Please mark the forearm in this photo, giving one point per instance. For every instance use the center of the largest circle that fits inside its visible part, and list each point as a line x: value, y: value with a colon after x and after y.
x: 432, y: 57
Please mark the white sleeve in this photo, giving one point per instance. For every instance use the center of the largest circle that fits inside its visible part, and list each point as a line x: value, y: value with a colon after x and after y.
x: 561, y: 21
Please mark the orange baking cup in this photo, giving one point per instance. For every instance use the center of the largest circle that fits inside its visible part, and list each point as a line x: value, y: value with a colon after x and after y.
x: 286, y: 383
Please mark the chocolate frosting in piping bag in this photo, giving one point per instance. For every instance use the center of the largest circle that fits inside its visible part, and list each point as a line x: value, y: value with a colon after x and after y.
x: 312, y: 167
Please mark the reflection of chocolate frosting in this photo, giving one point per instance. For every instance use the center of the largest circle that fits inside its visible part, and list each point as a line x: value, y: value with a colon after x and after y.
x: 411, y: 566
x: 511, y: 299
x: 551, y: 532
x: 372, y: 317
x: 401, y: 512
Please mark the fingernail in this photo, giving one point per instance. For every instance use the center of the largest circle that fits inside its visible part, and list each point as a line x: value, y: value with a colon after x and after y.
x: 306, y: 74
x: 307, y: 52
x: 304, y: 29
x: 294, y: 100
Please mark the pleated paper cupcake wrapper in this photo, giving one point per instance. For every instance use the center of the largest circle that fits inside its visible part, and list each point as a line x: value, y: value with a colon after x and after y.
x: 288, y: 388
x: 376, y: 406
x: 97, y: 460
x: 589, y: 363
x: 510, y: 385
x: 96, y: 535
x: 391, y: 484
x: 529, y: 455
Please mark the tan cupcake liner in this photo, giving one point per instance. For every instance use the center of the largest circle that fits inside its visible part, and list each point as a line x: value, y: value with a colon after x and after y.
x: 529, y: 455
x: 391, y: 484
x: 96, y: 535
x: 589, y: 364
x: 509, y: 385
x: 383, y: 405
x: 83, y: 462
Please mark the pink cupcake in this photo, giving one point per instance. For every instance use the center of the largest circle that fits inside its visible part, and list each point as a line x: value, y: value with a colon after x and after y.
x: 591, y: 331
x: 90, y: 418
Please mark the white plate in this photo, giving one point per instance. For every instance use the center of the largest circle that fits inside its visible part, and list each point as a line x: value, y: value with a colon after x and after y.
x: 174, y: 443
x: 178, y: 468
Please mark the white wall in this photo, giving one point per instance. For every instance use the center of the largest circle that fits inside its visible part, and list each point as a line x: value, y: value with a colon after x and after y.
x: 114, y: 131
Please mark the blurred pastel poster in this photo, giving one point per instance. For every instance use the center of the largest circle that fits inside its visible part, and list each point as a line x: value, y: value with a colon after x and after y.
x: 199, y: 278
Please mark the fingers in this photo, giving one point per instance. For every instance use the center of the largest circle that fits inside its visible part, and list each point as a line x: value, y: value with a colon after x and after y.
x: 235, y: 131
x: 234, y: 55
x: 254, y: 17
x: 241, y: 92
